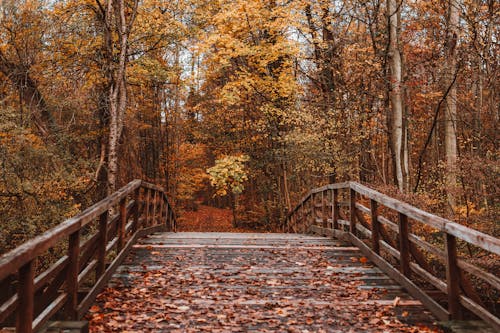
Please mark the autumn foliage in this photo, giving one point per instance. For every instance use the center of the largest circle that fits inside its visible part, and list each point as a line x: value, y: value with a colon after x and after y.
x: 304, y: 89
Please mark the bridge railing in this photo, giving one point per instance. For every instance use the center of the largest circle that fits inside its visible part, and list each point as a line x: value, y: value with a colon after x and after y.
x: 400, y: 239
x: 94, y: 242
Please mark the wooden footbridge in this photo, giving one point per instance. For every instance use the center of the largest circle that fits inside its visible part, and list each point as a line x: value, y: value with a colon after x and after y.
x: 348, y: 259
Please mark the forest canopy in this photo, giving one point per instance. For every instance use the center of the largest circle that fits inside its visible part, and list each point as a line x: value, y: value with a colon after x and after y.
x: 398, y: 94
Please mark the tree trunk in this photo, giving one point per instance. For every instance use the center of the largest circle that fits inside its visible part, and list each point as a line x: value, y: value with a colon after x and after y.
x: 395, y: 67
x: 450, y: 114
x: 116, y: 21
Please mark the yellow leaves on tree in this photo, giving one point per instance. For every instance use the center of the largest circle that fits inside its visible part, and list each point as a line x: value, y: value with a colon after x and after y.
x: 229, y: 174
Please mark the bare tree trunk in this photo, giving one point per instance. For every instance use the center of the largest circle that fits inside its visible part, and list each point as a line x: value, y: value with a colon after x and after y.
x: 117, y: 21
x: 395, y: 66
x: 450, y: 115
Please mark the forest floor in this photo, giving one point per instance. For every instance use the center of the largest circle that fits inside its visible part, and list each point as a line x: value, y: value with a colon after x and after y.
x: 208, y: 219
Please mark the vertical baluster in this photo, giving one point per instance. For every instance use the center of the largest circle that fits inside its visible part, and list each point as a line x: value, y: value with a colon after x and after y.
x: 324, y: 217
x: 335, y: 208
x: 122, y: 223
x: 302, y: 216
x: 161, y: 221
x: 135, y: 223
x: 352, y: 212
x: 375, y: 226
x: 404, y: 245
x: 174, y: 222
x: 452, y: 278
x: 103, y: 241
x: 167, y: 217
x: 25, y: 294
x: 154, y: 219
x: 148, y: 198
x: 72, y: 276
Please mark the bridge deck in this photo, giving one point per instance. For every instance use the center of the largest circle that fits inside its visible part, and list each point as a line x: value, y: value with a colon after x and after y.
x: 229, y: 282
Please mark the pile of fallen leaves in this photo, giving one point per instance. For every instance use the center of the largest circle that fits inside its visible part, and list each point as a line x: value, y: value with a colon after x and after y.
x: 240, y: 290
x: 208, y: 219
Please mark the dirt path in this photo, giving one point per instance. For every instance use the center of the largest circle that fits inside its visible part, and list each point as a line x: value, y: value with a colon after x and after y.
x: 208, y: 219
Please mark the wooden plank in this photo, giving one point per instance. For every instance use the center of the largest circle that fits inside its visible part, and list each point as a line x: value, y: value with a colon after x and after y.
x: 135, y: 225
x: 393, y: 226
x: 413, y: 289
x: 122, y: 223
x: 335, y: 208
x: 362, y: 208
x: 25, y: 292
x: 49, y: 311
x: 147, y: 206
x: 8, y: 307
x: 389, y: 249
x: 375, y: 226
x: 352, y: 212
x: 452, y: 278
x: 87, y: 271
x: 111, y: 244
x: 404, y: 245
x: 44, y: 278
x: 72, y: 275
x: 481, y: 312
x: 436, y: 282
x: 103, y: 240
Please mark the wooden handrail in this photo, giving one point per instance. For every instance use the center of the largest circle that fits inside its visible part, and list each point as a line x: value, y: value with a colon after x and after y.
x: 366, y: 228
x: 31, y: 300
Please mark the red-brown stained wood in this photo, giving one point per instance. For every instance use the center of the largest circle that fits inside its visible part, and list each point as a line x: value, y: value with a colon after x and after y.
x: 147, y: 206
x: 72, y: 275
x: 375, y: 227
x: 324, y: 216
x: 122, y: 223
x: 335, y: 208
x: 352, y: 211
x: 154, y: 218
x: 136, y: 210
x: 404, y: 245
x: 452, y: 278
x: 26, y: 290
x: 103, y: 240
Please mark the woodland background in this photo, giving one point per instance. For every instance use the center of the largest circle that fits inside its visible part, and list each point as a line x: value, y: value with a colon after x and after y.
x: 402, y: 96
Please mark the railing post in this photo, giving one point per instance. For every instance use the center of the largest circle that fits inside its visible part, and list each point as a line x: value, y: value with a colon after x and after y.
x: 352, y: 211
x: 122, y: 223
x: 303, y: 216
x: 335, y: 208
x: 72, y: 275
x: 168, y: 222
x: 135, y: 223
x: 375, y: 226
x: 25, y: 294
x: 404, y: 245
x: 160, y: 212
x: 155, y: 203
x: 148, y: 196
x: 323, y: 210
x: 452, y: 278
x: 103, y: 240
